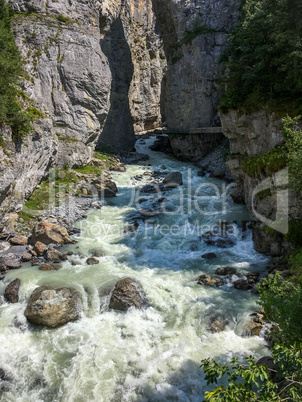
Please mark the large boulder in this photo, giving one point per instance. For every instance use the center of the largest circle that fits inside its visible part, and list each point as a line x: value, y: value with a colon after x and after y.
x: 49, y: 233
x: 126, y: 293
x: 252, y: 328
x: 11, y: 292
x: 173, y: 180
x: 53, y: 307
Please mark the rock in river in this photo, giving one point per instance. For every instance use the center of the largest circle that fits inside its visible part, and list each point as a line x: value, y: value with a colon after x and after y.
x: 53, y: 307
x: 55, y: 255
x: 173, y: 180
x: 224, y: 271
x: 126, y: 293
x: 11, y: 292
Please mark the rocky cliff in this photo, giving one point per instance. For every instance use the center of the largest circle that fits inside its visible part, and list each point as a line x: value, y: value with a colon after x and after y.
x: 94, y: 69
x: 262, y: 179
x: 194, y: 35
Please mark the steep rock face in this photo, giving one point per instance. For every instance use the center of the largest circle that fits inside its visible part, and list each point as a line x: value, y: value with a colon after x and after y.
x: 131, y: 41
x: 272, y: 205
x: 194, y: 34
x: 94, y: 69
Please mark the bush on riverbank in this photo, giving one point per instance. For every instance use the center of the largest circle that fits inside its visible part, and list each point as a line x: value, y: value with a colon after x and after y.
x: 282, y: 303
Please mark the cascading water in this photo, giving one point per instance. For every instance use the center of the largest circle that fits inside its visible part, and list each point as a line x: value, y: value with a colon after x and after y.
x: 148, y: 355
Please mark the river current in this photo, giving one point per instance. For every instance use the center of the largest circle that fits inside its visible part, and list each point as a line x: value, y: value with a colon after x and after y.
x: 148, y: 355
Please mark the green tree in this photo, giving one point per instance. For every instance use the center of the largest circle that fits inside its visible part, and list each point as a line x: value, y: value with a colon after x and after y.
x: 263, y: 62
x: 11, y: 69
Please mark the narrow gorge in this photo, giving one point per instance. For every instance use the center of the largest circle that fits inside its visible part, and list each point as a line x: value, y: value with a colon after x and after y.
x: 154, y: 198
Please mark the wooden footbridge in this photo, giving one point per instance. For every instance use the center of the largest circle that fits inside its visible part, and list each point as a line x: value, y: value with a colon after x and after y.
x: 202, y: 130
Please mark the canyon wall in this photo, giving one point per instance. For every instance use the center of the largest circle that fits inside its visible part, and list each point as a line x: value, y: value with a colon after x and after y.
x: 94, y: 69
x: 262, y: 183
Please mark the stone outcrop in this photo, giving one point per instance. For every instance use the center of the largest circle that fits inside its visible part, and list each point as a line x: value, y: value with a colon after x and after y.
x: 53, y: 307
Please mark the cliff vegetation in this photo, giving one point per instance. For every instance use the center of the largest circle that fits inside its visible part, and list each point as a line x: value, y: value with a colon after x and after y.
x: 263, y: 62
x: 12, y: 99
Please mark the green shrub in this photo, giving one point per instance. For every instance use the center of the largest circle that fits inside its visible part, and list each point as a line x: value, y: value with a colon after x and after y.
x: 266, y: 164
x: 282, y: 303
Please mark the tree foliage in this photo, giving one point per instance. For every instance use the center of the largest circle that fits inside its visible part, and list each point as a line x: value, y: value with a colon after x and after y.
x: 11, y: 69
x: 263, y: 62
x: 282, y: 303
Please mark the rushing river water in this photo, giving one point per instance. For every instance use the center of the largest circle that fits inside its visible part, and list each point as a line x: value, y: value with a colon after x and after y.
x: 148, y: 355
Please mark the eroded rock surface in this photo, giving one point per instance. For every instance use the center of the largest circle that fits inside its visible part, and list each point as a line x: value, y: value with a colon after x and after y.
x: 53, y: 307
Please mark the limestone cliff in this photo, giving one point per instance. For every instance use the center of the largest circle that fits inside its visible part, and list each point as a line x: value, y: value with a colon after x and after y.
x: 194, y: 35
x: 94, y: 69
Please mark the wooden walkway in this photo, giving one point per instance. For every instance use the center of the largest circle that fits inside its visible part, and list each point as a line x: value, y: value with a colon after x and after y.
x: 202, y: 130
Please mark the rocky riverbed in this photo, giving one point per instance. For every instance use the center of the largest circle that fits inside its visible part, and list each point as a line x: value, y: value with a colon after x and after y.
x: 133, y: 307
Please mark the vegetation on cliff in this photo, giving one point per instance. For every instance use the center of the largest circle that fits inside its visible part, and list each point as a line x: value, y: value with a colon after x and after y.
x: 263, y: 63
x: 11, y: 69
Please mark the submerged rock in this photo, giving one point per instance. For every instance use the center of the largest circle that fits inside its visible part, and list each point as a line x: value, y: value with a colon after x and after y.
x: 126, y: 293
x: 11, y: 292
x: 92, y: 261
x: 48, y: 233
x: 218, y: 324
x: 252, y: 328
x: 207, y: 280
x: 224, y: 271
x: 209, y: 256
x: 219, y: 239
x: 53, y: 307
x: 242, y: 284
x: 173, y: 180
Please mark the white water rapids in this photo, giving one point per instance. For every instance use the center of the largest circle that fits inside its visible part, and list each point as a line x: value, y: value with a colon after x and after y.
x: 148, y: 355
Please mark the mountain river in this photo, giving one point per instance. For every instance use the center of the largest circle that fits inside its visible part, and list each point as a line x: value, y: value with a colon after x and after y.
x: 152, y: 354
